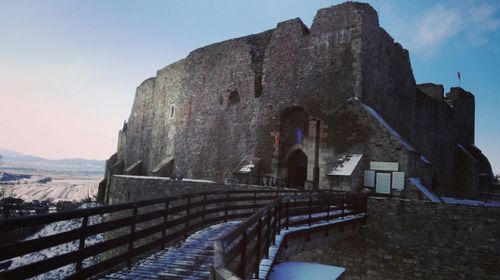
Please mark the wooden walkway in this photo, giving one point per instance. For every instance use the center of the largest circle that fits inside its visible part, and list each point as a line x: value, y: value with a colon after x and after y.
x: 182, y: 214
x: 193, y: 259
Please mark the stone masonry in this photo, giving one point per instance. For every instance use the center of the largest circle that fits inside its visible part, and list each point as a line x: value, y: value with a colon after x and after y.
x: 418, y: 240
x: 247, y: 99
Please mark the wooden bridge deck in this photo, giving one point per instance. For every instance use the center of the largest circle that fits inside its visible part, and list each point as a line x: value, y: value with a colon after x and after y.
x: 191, y: 260
x: 194, y: 258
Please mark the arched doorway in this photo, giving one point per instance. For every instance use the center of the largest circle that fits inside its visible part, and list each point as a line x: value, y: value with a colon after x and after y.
x: 297, y: 169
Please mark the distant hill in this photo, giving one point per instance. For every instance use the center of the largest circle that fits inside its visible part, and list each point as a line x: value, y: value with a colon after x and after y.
x: 14, y: 159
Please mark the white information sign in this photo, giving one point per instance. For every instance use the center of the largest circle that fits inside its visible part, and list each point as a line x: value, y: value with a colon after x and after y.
x: 398, y: 180
x: 383, y: 183
x: 384, y: 166
x: 369, y: 178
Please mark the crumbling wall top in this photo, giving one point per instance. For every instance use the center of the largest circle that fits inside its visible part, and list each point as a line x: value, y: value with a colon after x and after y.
x: 433, y: 90
x: 457, y: 93
x: 342, y: 16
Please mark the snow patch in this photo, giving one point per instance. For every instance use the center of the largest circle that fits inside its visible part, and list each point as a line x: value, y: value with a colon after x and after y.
x: 452, y: 200
x: 265, y: 264
x: 54, y: 228
x: 346, y: 166
x: 428, y: 193
x: 305, y: 271
x: 162, y: 178
x: 190, y: 254
x: 388, y: 127
x: 424, y: 159
x: 59, y: 189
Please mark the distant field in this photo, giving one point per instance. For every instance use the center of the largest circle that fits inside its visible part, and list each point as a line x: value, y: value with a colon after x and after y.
x: 67, y: 187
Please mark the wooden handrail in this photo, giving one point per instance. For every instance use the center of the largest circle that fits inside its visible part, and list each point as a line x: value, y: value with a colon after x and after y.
x: 268, y: 223
x: 160, y: 222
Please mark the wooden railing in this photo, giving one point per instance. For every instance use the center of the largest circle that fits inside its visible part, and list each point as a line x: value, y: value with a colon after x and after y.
x: 136, y: 228
x: 240, y: 251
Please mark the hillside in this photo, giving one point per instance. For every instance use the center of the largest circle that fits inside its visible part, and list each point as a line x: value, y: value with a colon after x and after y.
x: 16, y: 160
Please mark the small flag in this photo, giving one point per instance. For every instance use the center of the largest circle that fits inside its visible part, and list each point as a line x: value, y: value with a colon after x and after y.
x: 458, y: 75
x: 277, y: 139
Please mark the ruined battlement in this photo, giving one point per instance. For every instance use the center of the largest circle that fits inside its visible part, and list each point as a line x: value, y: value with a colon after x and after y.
x: 457, y: 94
x: 433, y: 90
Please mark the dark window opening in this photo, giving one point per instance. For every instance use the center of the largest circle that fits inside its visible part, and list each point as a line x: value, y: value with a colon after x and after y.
x: 234, y: 98
x: 172, y: 111
x: 258, y: 85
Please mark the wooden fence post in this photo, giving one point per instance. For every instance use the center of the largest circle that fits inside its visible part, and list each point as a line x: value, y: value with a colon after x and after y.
x: 243, y: 250
x: 268, y: 234
x: 275, y: 222
x: 165, y: 219
x: 328, y: 199
x: 343, y: 205
x: 254, y: 202
x: 226, y: 208
x: 280, y: 209
x: 258, y: 247
x: 188, y: 205
x: 204, y: 207
x: 81, y: 245
x: 132, y: 231
x: 310, y: 208
x: 287, y: 213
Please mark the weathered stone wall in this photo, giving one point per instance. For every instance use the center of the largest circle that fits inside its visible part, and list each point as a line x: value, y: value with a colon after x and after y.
x: 445, y: 121
x: 228, y: 97
x: 466, y: 179
x: 419, y: 240
x: 432, y: 123
x: 436, y: 122
x: 225, y: 103
x: 388, y: 83
x: 134, y: 188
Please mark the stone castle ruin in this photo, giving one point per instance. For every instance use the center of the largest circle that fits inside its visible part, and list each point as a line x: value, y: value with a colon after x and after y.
x: 333, y: 106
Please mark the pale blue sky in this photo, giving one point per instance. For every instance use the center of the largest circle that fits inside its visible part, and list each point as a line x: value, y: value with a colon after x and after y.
x: 69, y: 69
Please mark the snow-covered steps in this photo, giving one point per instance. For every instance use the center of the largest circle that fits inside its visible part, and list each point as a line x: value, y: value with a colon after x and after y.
x: 305, y: 271
x: 267, y: 264
x: 192, y: 259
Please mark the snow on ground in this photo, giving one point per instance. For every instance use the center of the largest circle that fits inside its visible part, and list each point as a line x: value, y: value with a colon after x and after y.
x: 428, y: 193
x: 265, y: 264
x: 452, y: 200
x: 62, y: 187
x: 52, y: 229
x: 424, y: 159
x: 192, y: 259
x: 387, y: 126
x: 305, y: 271
x: 347, y: 166
x: 163, y: 178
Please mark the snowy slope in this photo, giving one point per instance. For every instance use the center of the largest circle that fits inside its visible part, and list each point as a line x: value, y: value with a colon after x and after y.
x: 51, y: 229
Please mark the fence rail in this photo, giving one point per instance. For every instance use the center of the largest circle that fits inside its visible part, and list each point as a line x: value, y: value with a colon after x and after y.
x: 136, y: 228
x: 240, y: 251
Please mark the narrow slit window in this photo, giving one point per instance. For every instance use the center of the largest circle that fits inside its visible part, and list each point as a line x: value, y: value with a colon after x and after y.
x: 172, y: 111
